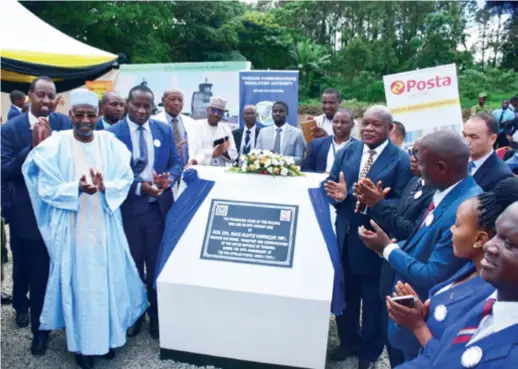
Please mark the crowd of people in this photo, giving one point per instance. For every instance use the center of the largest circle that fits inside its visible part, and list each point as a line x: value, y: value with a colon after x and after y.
x: 428, y: 237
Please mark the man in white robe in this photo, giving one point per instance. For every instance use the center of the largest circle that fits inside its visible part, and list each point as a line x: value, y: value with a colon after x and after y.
x: 215, y: 144
x: 77, y: 180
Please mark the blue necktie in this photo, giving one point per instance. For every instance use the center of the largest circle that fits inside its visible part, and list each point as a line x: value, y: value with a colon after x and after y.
x: 246, y: 149
x: 142, y: 161
x: 471, y: 166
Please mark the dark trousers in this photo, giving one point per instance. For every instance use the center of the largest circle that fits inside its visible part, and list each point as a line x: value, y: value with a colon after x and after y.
x: 396, y: 356
x: 144, y: 233
x: 20, y: 275
x: 368, y: 343
x: 35, y: 257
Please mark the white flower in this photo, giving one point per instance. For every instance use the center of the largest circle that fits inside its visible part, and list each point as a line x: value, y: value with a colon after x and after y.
x: 267, y: 163
x: 289, y: 160
x: 275, y: 162
x: 243, y: 158
x: 256, y: 164
x: 270, y: 170
x: 268, y: 154
x: 243, y: 167
x: 282, y: 163
x: 284, y: 172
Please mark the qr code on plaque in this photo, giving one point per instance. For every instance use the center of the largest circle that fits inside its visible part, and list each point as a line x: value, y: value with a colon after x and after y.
x: 285, y: 215
x: 221, y: 210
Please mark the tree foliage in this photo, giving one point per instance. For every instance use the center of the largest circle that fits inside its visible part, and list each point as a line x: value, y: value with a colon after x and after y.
x: 349, y: 45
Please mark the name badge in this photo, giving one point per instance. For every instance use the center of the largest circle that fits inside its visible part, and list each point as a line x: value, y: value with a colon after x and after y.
x: 440, y: 313
x: 157, y: 143
x: 418, y: 194
x: 429, y: 220
x: 471, y: 357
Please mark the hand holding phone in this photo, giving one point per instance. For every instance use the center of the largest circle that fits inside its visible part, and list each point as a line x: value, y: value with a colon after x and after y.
x: 407, y: 301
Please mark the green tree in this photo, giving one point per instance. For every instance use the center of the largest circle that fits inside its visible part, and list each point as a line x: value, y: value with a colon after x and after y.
x: 310, y: 59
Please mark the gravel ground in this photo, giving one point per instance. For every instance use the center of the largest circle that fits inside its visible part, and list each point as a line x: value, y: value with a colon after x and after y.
x: 139, y: 352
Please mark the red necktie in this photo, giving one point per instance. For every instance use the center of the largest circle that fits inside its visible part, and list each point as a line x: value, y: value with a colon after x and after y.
x: 431, y: 207
x: 467, y: 332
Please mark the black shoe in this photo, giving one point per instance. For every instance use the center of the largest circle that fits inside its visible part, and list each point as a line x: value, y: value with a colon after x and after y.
x: 135, y: 328
x: 39, y: 344
x: 365, y: 364
x: 22, y: 319
x: 153, y: 329
x: 85, y: 361
x: 340, y: 354
x: 110, y: 355
x: 6, y: 299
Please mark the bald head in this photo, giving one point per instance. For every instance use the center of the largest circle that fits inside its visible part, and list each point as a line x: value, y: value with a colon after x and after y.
x: 443, y: 158
x: 112, y: 107
x: 173, y: 101
x: 249, y: 116
x: 376, y: 125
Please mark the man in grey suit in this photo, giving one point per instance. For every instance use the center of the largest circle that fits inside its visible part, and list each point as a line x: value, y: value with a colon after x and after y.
x: 282, y: 138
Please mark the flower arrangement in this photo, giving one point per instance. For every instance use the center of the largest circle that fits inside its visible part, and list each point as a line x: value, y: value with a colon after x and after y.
x: 267, y: 162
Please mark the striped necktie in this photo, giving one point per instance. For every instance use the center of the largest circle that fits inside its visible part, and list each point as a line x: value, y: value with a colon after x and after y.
x: 363, y: 174
x: 431, y: 208
x: 466, y: 333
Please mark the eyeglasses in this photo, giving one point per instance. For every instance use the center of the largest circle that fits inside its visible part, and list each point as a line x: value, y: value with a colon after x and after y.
x: 216, y: 111
x: 414, y: 153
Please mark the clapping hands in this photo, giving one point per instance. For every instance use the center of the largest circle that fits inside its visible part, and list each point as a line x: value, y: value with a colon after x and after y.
x: 97, y: 184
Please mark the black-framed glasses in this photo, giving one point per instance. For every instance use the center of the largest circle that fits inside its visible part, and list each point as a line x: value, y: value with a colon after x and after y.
x: 414, y: 153
x: 216, y: 111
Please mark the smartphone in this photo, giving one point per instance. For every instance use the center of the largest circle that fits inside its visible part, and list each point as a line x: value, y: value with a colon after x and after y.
x: 220, y: 141
x: 407, y: 301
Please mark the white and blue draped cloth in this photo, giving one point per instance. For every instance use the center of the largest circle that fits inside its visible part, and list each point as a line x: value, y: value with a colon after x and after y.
x: 94, y: 289
x: 192, y: 198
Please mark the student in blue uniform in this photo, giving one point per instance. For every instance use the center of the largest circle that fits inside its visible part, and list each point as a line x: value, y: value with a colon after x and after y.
x: 486, y: 337
x: 449, y: 300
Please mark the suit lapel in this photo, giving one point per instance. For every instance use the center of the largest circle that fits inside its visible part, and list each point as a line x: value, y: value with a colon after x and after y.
x: 356, y: 157
x: 157, y: 137
x: 26, y: 131
x: 287, y: 136
x: 383, y: 161
x: 125, y: 135
x: 257, y: 130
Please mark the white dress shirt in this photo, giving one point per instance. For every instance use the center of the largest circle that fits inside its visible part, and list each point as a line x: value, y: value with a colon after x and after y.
x: 17, y: 108
x: 252, y: 139
x: 32, y: 120
x: 106, y: 125
x: 437, y: 198
x: 325, y: 123
x: 205, y: 144
x: 504, y: 315
x: 333, y: 149
x: 365, y: 155
x: 147, y: 173
x: 479, y: 162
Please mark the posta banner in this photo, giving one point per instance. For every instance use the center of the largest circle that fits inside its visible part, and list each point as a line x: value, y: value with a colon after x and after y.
x: 425, y: 100
x: 99, y: 87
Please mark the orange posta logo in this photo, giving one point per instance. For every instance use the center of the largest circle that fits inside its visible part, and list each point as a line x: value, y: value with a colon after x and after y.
x: 397, y: 87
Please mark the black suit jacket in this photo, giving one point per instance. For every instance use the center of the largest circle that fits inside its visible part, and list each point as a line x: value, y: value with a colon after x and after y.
x: 491, y: 172
x: 238, y: 136
x: 399, y: 221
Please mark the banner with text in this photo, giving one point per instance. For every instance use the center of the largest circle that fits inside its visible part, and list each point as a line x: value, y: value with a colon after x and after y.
x: 198, y: 81
x: 425, y: 100
x: 262, y: 88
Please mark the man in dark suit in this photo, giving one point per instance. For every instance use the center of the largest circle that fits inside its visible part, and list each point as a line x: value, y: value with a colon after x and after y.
x: 426, y: 257
x: 379, y: 160
x: 111, y: 110
x: 157, y: 166
x: 250, y: 131
x: 17, y: 100
x: 480, y: 133
x: 30, y: 257
x: 322, y: 151
x: 399, y: 221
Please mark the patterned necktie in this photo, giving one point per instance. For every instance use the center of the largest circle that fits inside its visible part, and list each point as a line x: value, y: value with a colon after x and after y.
x: 431, y: 208
x: 142, y: 160
x: 466, y: 333
x: 246, y: 148
x: 178, y: 137
x: 277, y: 143
x: 471, y: 166
x: 368, y: 165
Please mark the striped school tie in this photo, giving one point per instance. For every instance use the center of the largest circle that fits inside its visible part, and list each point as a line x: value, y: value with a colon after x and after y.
x: 466, y: 333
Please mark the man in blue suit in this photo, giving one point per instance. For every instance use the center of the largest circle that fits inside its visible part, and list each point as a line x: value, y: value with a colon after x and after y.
x: 17, y: 100
x: 322, y: 151
x: 30, y: 257
x: 157, y: 166
x: 111, y: 110
x: 480, y: 133
x: 379, y: 160
x: 426, y: 258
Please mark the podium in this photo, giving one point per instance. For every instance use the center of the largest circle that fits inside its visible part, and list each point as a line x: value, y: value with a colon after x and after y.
x: 250, y: 281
